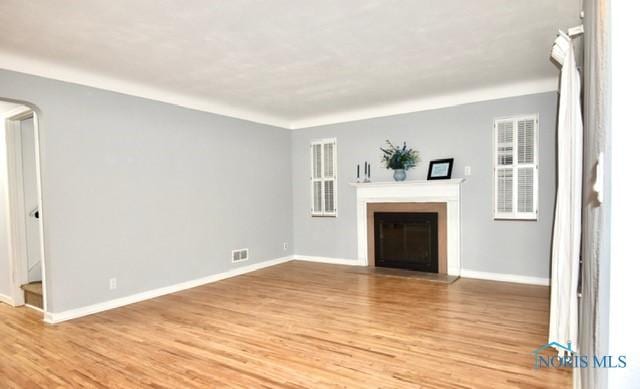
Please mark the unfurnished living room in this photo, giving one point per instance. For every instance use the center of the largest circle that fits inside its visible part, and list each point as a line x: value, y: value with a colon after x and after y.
x: 311, y: 194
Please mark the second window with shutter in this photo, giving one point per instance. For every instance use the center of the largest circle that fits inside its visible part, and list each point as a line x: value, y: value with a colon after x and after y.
x: 516, y: 167
x: 324, y: 166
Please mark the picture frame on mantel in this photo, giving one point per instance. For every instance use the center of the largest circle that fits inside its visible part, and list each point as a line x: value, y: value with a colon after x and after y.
x: 440, y: 169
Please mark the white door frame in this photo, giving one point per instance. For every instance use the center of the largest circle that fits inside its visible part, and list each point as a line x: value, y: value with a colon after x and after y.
x: 15, y: 193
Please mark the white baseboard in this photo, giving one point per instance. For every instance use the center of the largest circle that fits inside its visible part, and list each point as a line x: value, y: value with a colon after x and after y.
x: 7, y: 299
x: 466, y: 273
x: 334, y: 261
x: 34, y: 308
x: 58, y: 317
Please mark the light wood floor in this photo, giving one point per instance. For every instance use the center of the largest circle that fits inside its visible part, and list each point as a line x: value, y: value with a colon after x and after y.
x: 294, y: 325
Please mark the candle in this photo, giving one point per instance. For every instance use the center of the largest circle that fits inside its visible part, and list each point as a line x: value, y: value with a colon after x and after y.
x: 369, y: 172
x: 358, y: 170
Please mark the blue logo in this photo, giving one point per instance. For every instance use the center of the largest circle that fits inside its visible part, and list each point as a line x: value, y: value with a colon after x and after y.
x: 568, y: 358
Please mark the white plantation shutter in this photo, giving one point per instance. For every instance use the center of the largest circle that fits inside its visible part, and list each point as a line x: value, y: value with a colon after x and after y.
x: 316, y: 179
x: 516, y: 168
x: 317, y: 197
x: 505, y: 143
x: 329, y: 204
x: 323, y: 177
x: 328, y: 159
x: 504, y: 192
x: 525, y: 190
x: 526, y: 143
x: 316, y: 156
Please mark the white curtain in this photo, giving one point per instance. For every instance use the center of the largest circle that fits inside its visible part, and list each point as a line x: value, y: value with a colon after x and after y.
x: 563, y: 320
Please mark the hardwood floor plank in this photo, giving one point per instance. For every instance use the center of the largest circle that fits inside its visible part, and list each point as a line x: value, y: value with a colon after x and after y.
x: 295, y: 325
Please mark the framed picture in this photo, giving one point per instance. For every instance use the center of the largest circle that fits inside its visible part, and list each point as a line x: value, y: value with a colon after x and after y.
x: 440, y: 169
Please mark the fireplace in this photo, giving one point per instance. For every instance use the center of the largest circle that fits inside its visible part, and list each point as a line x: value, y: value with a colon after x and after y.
x: 422, y: 196
x: 406, y: 240
x: 426, y: 221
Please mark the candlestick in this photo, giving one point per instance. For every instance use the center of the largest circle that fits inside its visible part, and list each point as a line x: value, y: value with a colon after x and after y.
x: 367, y: 168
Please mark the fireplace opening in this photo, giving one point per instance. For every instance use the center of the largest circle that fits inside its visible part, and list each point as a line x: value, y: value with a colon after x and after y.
x: 406, y: 240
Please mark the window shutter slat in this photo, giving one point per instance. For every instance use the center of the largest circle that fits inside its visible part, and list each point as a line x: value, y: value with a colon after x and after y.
x: 526, y: 141
x: 504, y: 151
x: 328, y: 160
x: 317, y: 160
x: 525, y: 189
x: 504, y: 190
x: 317, y: 197
x: 329, y: 203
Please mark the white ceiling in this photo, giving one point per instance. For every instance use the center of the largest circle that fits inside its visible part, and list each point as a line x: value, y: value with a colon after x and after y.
x: 289, y: 62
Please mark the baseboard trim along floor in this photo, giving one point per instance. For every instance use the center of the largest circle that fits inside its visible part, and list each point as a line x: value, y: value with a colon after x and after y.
x: 6, y: 299
x: 466, y: 273
x: 334, y: 261
x: 58, y: 317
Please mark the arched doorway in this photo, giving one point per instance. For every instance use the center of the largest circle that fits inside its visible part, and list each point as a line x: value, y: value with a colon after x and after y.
x: 22, y: 214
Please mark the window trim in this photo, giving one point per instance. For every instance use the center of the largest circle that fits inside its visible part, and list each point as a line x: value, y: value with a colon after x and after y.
x: 515, y: 214
x: 322, y: 178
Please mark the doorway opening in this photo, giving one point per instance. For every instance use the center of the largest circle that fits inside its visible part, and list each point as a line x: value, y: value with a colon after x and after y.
x: 23, y: 200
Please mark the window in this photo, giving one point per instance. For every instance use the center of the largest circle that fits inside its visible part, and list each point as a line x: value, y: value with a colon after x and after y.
x: 323, y: 177
x: 516, y: 168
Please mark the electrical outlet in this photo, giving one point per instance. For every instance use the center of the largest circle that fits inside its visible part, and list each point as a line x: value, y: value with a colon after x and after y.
x: 285, y: 246
x: 113, y: 283
x: 467, y: 170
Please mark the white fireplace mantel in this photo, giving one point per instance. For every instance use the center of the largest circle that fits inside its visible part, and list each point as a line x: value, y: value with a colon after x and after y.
x: 438, y: 191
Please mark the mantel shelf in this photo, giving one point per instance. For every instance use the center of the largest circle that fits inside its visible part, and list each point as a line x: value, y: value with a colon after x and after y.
x: 453, y: 181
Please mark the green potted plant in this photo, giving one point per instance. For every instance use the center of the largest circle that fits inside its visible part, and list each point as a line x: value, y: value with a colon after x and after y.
x: 400, y: 159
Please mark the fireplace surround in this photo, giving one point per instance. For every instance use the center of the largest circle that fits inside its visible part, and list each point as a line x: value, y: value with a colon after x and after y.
x: 412, y: 196
x: 438, y: 209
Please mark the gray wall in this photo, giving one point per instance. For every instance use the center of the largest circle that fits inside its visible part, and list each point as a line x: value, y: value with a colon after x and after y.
x: 155, y: 194
x: 148, y: 192
x: 462, y: 132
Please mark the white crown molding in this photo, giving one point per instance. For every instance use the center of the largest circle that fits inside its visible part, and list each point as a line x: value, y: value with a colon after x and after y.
x: 502, y: 277
x: 433, y: 102
x: 57, y: 317
x: 59, y: 72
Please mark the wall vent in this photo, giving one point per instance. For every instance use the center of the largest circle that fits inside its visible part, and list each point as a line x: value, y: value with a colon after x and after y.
x: 239, y: 255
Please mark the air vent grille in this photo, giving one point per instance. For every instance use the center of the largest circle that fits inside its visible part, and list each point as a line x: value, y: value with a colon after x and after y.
x: 239, y: 255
